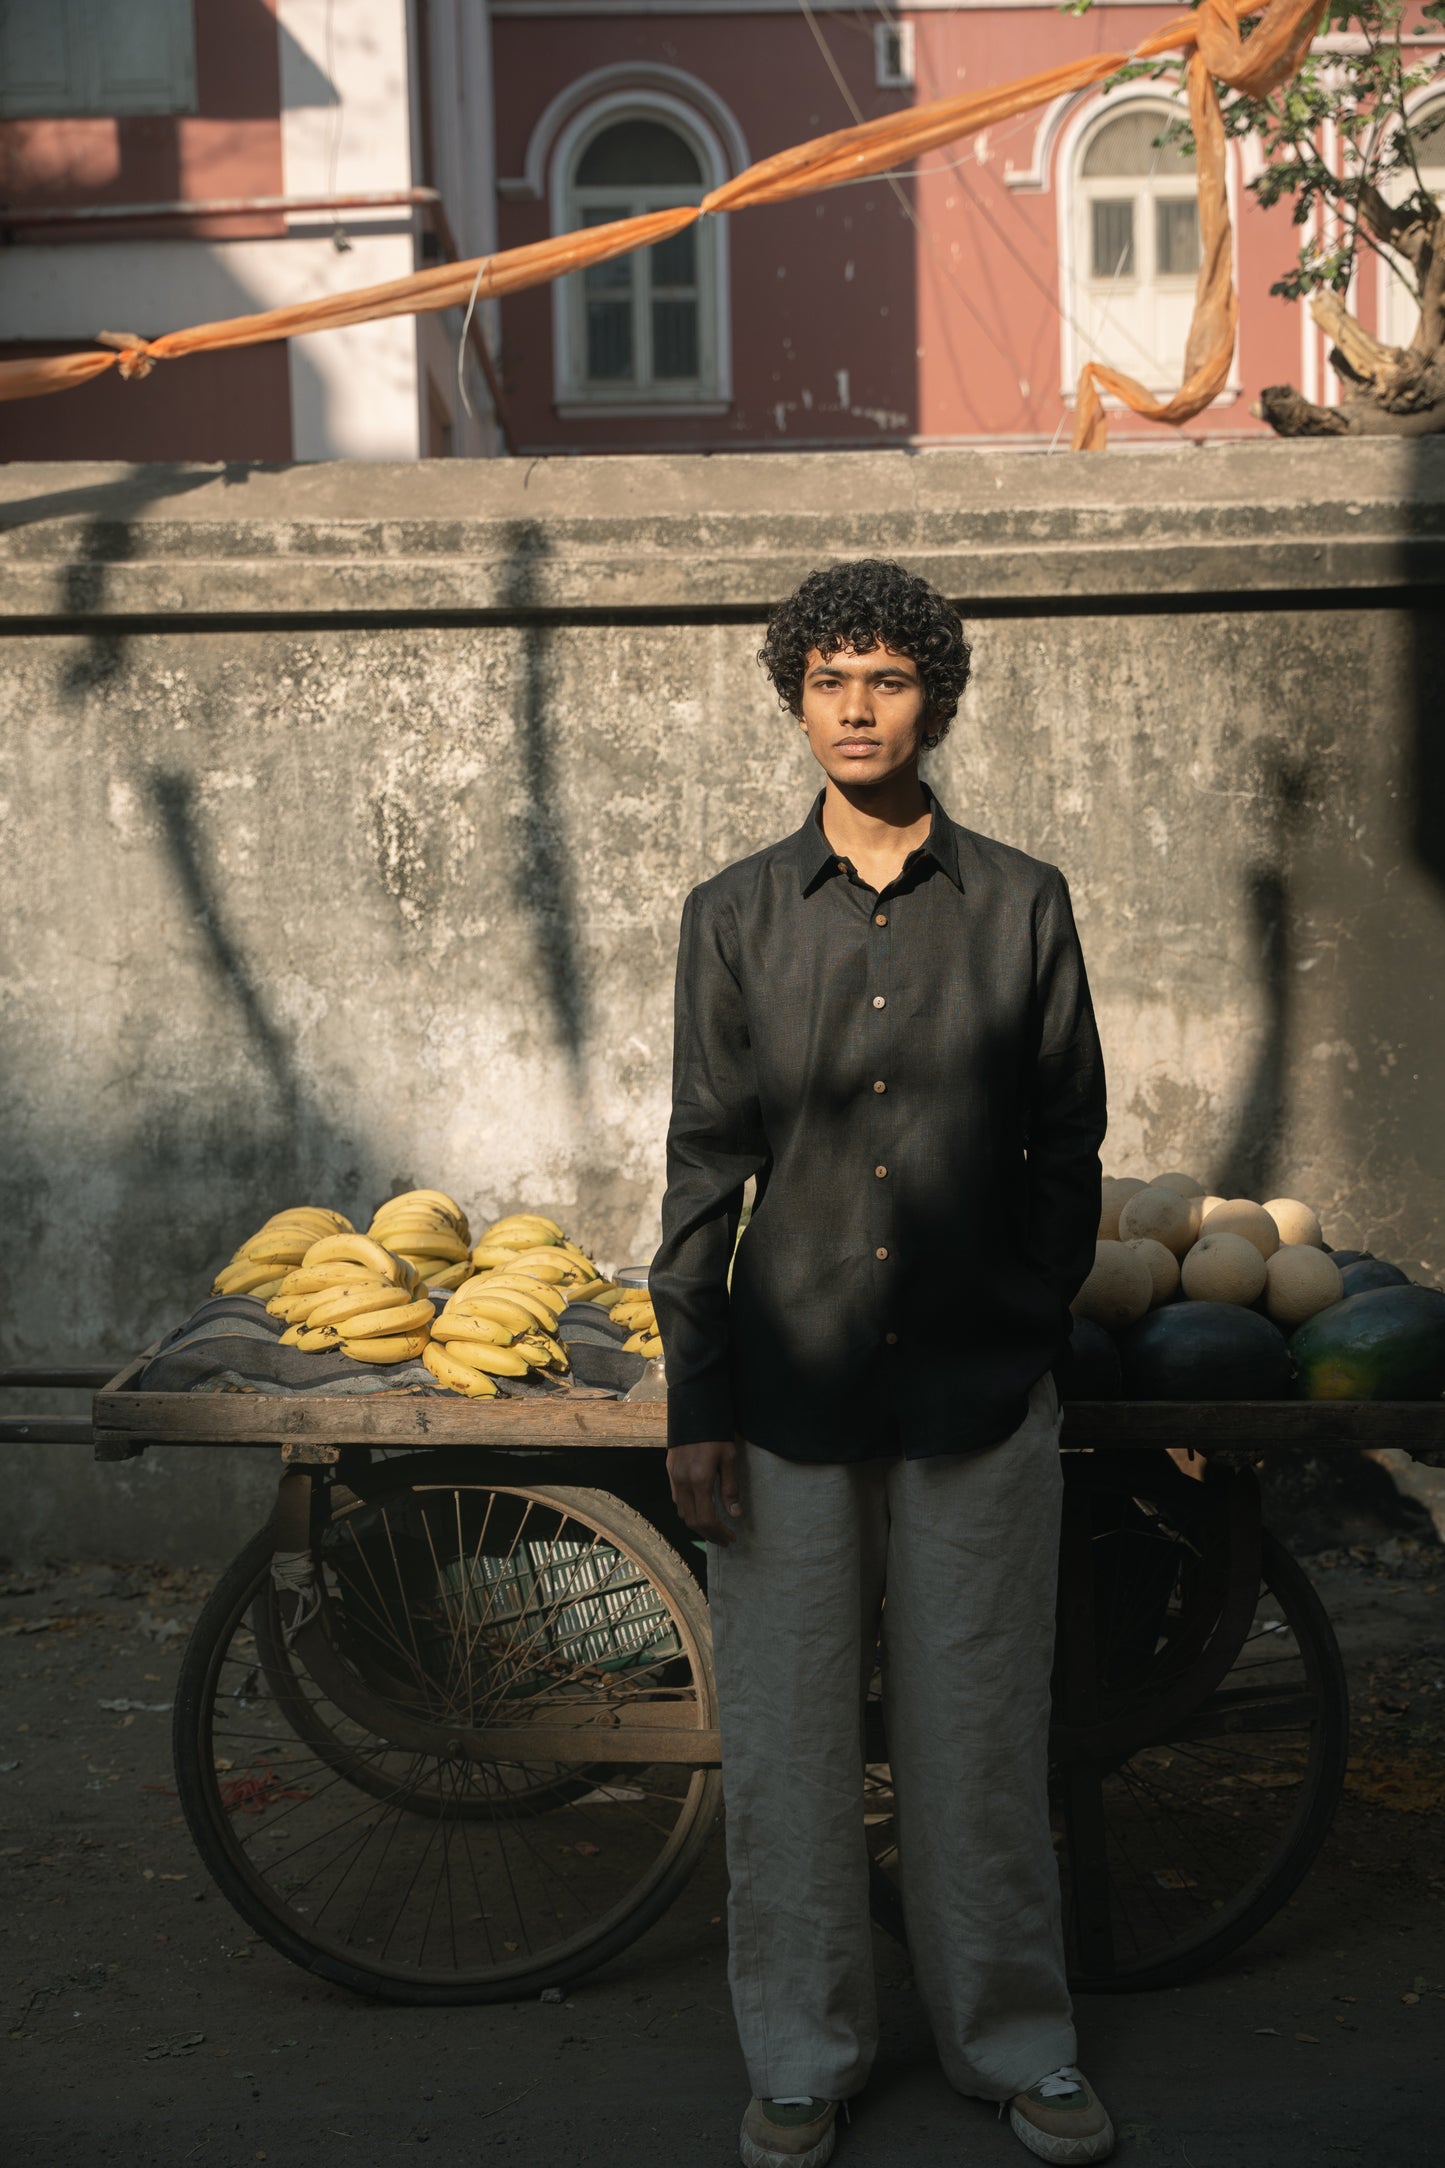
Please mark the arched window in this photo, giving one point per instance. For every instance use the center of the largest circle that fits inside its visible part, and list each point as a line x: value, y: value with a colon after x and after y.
x: 1135, y: 249
x: 644, y: 328
x: 1399, y: 307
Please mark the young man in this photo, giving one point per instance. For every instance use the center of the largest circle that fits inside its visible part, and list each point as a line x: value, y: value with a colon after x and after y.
x: 884, y: 1019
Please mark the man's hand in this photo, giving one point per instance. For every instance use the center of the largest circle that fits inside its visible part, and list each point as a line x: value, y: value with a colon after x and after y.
x: 694, y: 1471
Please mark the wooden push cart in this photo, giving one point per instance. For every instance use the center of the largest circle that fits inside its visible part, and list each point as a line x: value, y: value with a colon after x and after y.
x: 446, y: 1729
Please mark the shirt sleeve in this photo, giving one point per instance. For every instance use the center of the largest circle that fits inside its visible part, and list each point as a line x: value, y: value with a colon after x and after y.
x: 714, y: 1142
x: 1068, y: 1112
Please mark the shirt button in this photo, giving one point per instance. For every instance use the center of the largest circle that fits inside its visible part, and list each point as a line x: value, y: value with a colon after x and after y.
x: 880, y: 1172
x: 880, y: 1253
x: 879, y: 1001
x: 842, y: 865
x: 891, y: 1338
x: 880, y: 1086
x: 880, y: 918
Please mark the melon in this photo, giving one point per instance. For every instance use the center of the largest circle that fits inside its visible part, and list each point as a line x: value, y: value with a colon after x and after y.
x: 1089, y: 1368
x: 1183, y: 1185
x: 1223, y: 1268
x: 1242, y: 1216
x: 1387, y: 1344
x: 1163, y: 1266
x: 1160, y: 1215
x: 1115, y: 1192
x: 1296, y: 1222
x: 1300, y: 1281
x: 1205, y: 1351
x: 1207, y: 1204
x: 1349, y: 1257
x: 1371, y: 1272
x: 1117, y: 1291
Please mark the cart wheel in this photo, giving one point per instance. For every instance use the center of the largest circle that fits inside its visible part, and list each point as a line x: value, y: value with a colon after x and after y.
x: 1176, y: 1848
x: 346, y: 1751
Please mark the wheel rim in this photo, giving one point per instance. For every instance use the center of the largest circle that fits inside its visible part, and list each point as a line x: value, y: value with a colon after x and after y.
x: 452, y: 1601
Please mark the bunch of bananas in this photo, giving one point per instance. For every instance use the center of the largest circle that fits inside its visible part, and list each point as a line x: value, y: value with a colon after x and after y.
x: 429, y: 1229
x: 263, y: 1260
x: 352, y: 1296
x: 632, y: 1306
x: 527, y: 1242
x: 502, y: 1323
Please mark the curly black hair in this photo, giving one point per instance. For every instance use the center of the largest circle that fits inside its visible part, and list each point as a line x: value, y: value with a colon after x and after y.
x: 864, y: 604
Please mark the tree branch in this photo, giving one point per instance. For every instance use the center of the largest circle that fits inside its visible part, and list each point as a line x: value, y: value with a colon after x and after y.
x: 1398, y: 378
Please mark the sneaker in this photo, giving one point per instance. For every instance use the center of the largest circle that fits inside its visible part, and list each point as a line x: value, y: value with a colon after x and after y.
x: 788, y: 2133
x: 1062, y: 2118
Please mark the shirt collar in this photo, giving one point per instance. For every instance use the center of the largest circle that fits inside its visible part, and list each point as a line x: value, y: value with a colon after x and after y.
x: 814, y: 856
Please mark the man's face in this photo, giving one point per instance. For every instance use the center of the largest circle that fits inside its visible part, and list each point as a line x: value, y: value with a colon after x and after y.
x: 865, y: 714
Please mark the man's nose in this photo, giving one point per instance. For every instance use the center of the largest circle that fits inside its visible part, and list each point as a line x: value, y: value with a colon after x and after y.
x: 858, y: 702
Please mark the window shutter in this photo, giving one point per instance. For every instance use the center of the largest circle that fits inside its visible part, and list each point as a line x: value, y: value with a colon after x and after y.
x: 41, y: 60
x: 143, y: 56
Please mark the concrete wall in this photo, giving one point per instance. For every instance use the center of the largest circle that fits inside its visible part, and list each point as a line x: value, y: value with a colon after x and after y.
x: 347, y: 813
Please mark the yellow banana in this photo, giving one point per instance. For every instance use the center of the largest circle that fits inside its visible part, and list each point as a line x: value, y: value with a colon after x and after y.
x: 550, y: 1353
x: 549, y: 1264
x: 394, y: 1347
x: 450, y: 1276
x: 612, y: 1295
x: 314, y: 1339
x: 321, y: 1278
x: 588, y: 1291
x: 357, y: 1300
x: 643, y: 1343
x: 505, y: 1311
x: 502, y: 1362
x: 476, y: 1384
x: 423, y: 1197
x: 448, y: 1327
x: 357, y: 1250
x: 249, y: 1278
x: 417, y: 1243
x: 539, y: 1309
x: 375, y: 1324
x: 515, y: 1223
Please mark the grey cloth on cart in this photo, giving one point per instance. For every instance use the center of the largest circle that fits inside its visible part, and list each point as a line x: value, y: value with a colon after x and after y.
x: 239, y: 1351
x: 594, y: 1346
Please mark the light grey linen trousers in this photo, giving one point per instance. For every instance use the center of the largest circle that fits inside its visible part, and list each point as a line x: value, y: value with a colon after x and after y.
x: 964, y: 1548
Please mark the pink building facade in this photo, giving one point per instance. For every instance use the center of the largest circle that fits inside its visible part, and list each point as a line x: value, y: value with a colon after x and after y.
x: 950, y: 304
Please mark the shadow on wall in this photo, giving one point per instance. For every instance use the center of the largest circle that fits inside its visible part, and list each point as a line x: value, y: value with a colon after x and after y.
x: 546, y: 880
x: 1253, y: 1152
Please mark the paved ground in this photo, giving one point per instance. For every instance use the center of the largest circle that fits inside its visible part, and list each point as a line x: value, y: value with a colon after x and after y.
x: 148, y: 2029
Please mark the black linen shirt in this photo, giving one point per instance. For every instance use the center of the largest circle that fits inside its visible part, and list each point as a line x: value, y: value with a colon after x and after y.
x: 913, y: 1075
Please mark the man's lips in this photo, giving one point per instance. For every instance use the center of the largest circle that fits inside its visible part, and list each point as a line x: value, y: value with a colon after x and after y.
x: 858, y: 745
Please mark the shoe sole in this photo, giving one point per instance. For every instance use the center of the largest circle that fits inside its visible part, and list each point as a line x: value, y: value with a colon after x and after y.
x: 1047, y: 2147
x: 753, y: 2155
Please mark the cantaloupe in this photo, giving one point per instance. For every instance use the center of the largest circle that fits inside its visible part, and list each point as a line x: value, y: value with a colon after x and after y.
x: 1223, y: 1268
x: 1116, y: 1190
x: 1160, y: 1215
x: 1300, y: 1281
x: 1242, y: 1216
x: 1207, y: 1204
x: 1184, y: 1185
x: 1163, y: 1266
x: 1118, y: 1290
x: 1296, y: 1222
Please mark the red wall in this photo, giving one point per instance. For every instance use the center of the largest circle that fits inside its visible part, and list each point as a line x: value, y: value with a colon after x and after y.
x: 951, y: 330
x: 230, y: 147
x: 232, y: 405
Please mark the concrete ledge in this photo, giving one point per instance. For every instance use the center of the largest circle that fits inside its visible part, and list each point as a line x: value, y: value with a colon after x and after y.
x: 609, y: 538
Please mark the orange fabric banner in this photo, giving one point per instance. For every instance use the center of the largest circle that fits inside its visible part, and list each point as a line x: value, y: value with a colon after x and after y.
x: 1211, y: 37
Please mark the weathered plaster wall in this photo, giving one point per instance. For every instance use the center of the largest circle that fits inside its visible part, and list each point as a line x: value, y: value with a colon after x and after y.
x: 347, y: 815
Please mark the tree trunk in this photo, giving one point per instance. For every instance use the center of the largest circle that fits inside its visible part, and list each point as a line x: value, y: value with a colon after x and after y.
x: 1388, y: 391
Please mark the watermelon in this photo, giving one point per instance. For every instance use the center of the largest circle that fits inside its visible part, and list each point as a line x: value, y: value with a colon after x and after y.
x: 1204, y: 1351
x: 1348, y: 1257
x: 1385, y: 1344
x: 1368, y: 1272
x: 1088, y: 1369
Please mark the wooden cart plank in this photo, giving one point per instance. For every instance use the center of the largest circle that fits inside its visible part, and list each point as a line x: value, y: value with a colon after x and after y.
x: 375, y: 1419
x: 314, y: 1425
